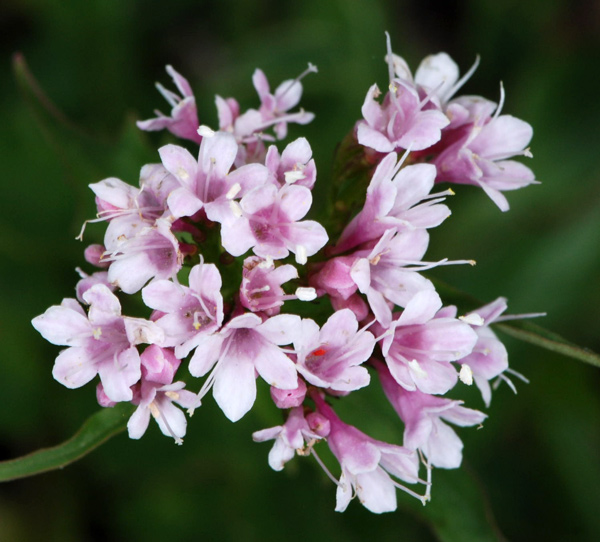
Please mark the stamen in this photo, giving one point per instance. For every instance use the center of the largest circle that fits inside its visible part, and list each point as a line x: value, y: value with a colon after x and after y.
x: 292, y: 176
x: 508, y: 317
x: 518, y: 375
x: 311, y: 69
x: 171, y: 97
x: 233, y: 191
x: 463, y: 79
x: 267, y: 263
x: 417, y: 369
x: 472, y: 319
x: 301, y: 257
x: 156, y: 413
x: 205, y: 131
x: 322, y: 465
x: 402, y: 160
x: 500, y: 102
x: 306, y: 294
x: 466, y: 374
x: 422, y: 498
x: 236, y: 209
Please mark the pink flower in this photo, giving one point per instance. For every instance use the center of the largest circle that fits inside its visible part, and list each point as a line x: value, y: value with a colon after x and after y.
x: 367, y: 465
x: 396, y: 198
x: 185, y: 314
x: 101, y: 343
x: 156, y: 393
x: 489, y: 358
x: 208, y: 181
x: 387, y: 274
x: 153, y: 252
x: 275, y: 106
x: 244, y: 347
x: 294, y: 166
x: 268, y: 221
x: 183, y: 121
x: 261, y: 289
x: 421, y: 344
x: 330, y: 357
x: 479, y: 150
x: 292, y: 436
x: 422, y: 415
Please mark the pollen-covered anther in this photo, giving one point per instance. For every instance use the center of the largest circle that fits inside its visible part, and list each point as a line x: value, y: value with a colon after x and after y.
x: 306, y: 294
x: 472, y: 319
x: 235, y: 209
x: 301, y: 257
x: 173, y: 395
x: 97, y: 333
x: 154, y: 410
x: 205, y: 131
x: 233, y: 191
x: 466, y: 374
x: 292, y: 176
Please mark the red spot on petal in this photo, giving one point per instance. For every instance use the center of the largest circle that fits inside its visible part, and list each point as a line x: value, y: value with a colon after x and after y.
x: 318, y: 352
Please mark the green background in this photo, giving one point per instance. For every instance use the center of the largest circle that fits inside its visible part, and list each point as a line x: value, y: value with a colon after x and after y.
x: 538, y: 455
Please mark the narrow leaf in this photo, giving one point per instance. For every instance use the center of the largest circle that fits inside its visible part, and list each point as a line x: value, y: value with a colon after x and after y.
x: 521, y: 329
x: 95, y: 431
x: 534, y: 334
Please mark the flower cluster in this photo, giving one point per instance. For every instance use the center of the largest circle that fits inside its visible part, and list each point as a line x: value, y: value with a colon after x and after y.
x: 216, y: 243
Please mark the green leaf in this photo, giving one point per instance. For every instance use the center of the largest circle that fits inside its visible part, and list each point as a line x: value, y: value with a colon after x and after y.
x: 539, y: 336
x: 95, y: 431
x: 459, y: 510
x: 522, y: 330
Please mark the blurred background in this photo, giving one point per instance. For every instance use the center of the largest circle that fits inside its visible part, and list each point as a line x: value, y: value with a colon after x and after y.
x: 537, y: 457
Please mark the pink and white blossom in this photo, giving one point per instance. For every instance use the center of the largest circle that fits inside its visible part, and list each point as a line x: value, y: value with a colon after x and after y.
x: 420, y: 345
x: 186, y: 313
x: 368, y: 465
x: 331, y: 357
x: 100, y: 343
x: 244, y: 347
x: 294, y: 436
x: 183, y: 121
x: 424, y: 416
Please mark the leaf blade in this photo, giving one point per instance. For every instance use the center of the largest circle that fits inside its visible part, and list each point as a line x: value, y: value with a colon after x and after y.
x: 97, y: 429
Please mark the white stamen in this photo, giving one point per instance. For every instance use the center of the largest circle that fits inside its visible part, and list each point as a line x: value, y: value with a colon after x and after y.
x: 267, y: 263
x: 463, y: 79
x: 97, y: 333
x: 205, y: 131
x: 171, y: 97
x: 325, y: 469
x: 233, y: 191
x: 306, y: 294
x: 466, y: 374
x: 417, y: 369
x: 235, y: 208
x: 500, y: 102
x: 292, y: 176
x: 472, y: 319
x: 301, y: 257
